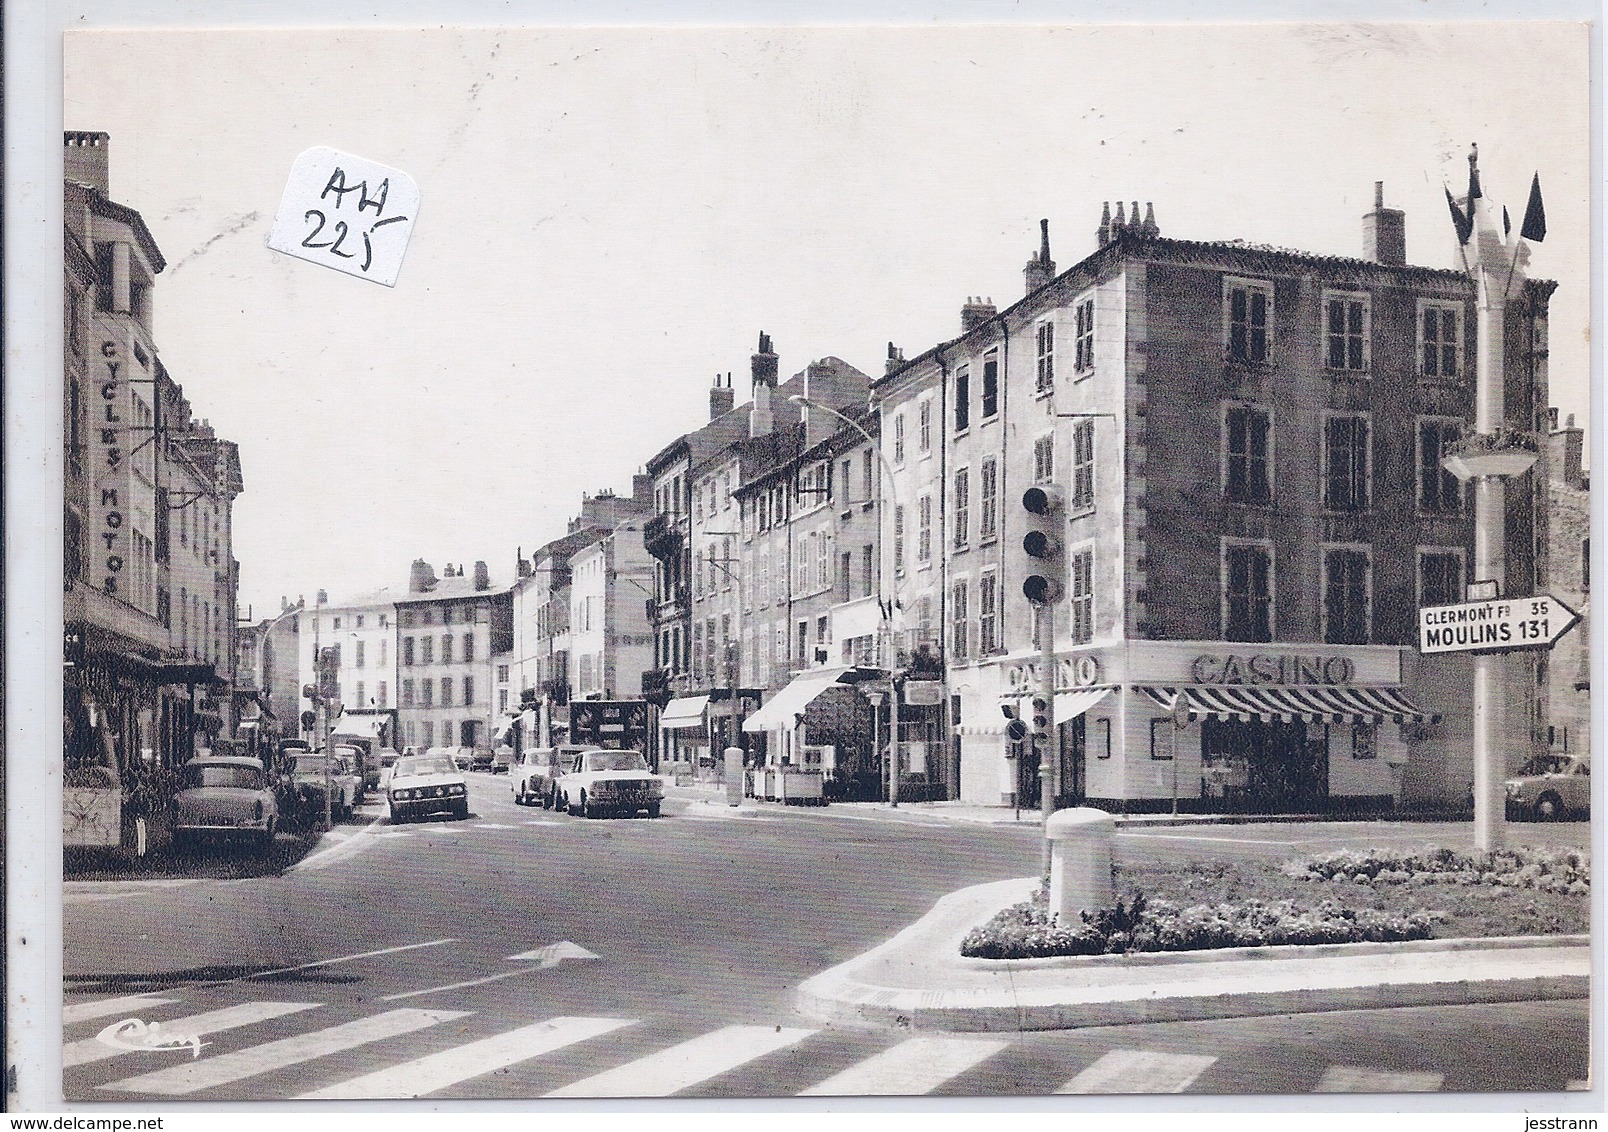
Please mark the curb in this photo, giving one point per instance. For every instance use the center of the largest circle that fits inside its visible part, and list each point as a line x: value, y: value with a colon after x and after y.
x: 979, y: 995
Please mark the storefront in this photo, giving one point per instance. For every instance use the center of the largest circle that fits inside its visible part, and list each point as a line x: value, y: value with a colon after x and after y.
x: 1212, y: 726
x: 695, y: 730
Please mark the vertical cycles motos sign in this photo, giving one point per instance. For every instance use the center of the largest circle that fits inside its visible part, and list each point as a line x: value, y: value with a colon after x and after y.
x: 111, y: 484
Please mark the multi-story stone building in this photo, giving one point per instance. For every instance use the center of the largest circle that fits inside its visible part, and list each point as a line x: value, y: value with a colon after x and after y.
x: 148, y: 500
x: 448, y: 631
x: 1241, y: 447
x: 1565, y: 672
x: 267, y: 665
x: 356, y: 637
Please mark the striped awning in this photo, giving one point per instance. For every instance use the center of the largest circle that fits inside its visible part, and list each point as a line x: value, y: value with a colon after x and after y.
x: 994, y: 723
x: 1327, y: 704
x: 1070, y: 705
x: 683, y: 713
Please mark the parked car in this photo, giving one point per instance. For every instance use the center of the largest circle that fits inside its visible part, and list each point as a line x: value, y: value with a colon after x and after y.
x: 610, y: 782
x: 1550, y: 787
x: 345, y: 784
x: 387, y: 760
x: 360, y: 765
x: 536, y: 776
x: 481, y: 758
x: 225, y: 796
x: 424, y: 785
x: 502, y: 758
x: 459, y: 757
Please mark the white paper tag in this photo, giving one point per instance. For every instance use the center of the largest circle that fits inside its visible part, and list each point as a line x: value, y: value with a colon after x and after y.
x: 348, y: 213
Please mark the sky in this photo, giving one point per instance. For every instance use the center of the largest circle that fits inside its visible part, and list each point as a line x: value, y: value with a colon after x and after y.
x: 610, y: 216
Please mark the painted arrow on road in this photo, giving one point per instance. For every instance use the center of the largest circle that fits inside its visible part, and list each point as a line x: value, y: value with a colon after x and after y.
x: 554, y: 954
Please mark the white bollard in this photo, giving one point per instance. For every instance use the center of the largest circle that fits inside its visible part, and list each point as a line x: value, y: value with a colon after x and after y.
x: 734, y: 776
x: 1080, y: 862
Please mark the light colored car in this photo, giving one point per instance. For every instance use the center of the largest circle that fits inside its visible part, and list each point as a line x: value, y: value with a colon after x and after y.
x: 224, y: 796
x: 610, y: 782
x: 459, y: 757
x: 388, y: 759
x: 537, y: 773
x: 424, y: 785
x: 1549, y: 787
x: 346, y: 785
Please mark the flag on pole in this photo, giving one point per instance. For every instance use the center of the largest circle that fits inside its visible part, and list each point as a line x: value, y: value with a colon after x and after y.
x: 1535, y: 214
x: 1463, y: 223
x: 1507, y: 225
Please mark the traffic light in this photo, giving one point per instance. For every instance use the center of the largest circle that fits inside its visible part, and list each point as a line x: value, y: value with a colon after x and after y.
x: 1041, y: 718
x: 1042, y: 581
x: 309, y: 720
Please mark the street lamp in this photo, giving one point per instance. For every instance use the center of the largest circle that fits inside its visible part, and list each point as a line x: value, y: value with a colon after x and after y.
x: 889, y: 592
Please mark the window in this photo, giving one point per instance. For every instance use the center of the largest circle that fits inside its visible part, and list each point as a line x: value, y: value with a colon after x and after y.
x: 1044, y: 459
x: 962, y: 399
x: 801, y: 563
x: 1245, y: 438
x: 1440, y: 345
x: 1345, y: 596
x: 1082, y: 596
x: 1345, y: 326
x: 429, y: 734
x: 823, y: 561
x: 468, y: 648
x: 468, y: 691
x: 1345, y: 463
x: 1083, y: 464
x: 446, y: 648
x: 868, y: 579
x: 697, y: 650
x: 1247, y: 305
x: 502, y: 699
x: 426, y: 650
x: 359, y: 620
x: 361, y: 702
x: 1044, y: 371
x: 427, y: 692
x: 987, y: 614
x: 404, y: 619
x: 1083, y: 347
x: 337, y: 622
x: 1364, y: 740
x: 384, y: 695
x: 924, y: 426
x: 385, y: 621
x: 801, y: 648
x: 383, y: 643
x: 1439, y: 492
x: 1440, y: 576
x: 924, y: 529
x: 898, y: 539
x: 898, y: 438
x: 988, y: 502
x: 962, y: 512
x: 1161, y: 738
x: 990, y: 384
x: 1247, y: 592
x: 407, y: 651
x: 957, y: 619
x: 446, y: 691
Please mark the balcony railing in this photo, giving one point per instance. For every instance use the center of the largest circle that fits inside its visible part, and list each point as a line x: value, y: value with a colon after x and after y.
x: 661, y: 536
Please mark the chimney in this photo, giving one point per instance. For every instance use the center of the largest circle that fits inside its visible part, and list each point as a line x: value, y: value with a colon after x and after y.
x: 818, y: 425
x: 482, y: 577
x: 1149, y: 229
x: 323, y: 597
x: 421, y: 577
x: 522, y: 568
x: 1040, y: 268
x: 1565, y: 447
x: 1384, y: 232
x: 721, y: 398
x: 896, y: 359
x: 642, y: 489
x: 88, y: 159
x: 763, y: 366
x: 977, y: 311
x: 1103, y: 236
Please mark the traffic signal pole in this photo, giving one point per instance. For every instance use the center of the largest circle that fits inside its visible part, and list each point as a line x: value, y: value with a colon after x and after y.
x: 1049, y: 751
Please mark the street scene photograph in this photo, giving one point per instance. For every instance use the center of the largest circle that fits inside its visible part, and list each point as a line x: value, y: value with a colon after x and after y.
x: 733, y: 563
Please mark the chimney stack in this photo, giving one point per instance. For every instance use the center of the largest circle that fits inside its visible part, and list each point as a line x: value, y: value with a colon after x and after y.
x: 642, y: 489
x: 1040, y: 268
x: 421, y: 577
x: 88, y: 159
x: 482, y: 577
x: 1384, y: 232
x: 896, y: 359
x: 1103, y: 236
x: 977, y: 311
x: 763, y: 366
x: 1565, y: 447
x: 721, y: 397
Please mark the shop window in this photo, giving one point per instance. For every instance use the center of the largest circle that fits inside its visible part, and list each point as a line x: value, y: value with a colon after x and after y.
x: 1364, y: 740
x: 1162, y: 734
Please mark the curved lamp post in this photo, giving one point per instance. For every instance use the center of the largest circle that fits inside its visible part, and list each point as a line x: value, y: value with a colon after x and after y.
x: 889, y: 592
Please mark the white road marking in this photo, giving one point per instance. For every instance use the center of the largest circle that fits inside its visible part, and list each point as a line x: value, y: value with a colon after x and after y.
x: 209, y: 1073
x: 909, y: 1069
x: 440, y: 1070
x: 451, y: 986
x: 106, y: 1007
x: 328, y: 962
x: 492, y: 825
x: 1139, y: 1071
x: 196, y: 1025
x: 683, y: 1066
x: 554, y: 954
x: 1361, y: 1079
x: 343, y: 847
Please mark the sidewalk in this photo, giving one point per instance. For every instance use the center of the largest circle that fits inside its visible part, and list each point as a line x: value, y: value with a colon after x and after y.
x: 919, y: 980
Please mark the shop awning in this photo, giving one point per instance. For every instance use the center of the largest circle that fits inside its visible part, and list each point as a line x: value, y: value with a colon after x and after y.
x: 1326, y: 704
x: 688, y: 711
x: 1070, y: 705
x: 359, y: 726
x: 781, y: 711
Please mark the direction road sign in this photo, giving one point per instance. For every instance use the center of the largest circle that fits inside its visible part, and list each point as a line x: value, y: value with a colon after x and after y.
x: 1504, y: 625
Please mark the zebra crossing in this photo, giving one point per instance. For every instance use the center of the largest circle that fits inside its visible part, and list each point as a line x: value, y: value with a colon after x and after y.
x: 331, y: 1057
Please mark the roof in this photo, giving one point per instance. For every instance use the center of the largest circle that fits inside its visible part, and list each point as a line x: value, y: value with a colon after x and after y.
x: 451, y: 589
x: 123, y: 214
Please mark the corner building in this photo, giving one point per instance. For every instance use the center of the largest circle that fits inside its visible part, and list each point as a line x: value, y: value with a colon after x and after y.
x: 1246, y: 445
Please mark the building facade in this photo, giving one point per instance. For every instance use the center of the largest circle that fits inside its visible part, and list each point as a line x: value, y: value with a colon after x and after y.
x: 445, y: 629
x: 1565, y: 672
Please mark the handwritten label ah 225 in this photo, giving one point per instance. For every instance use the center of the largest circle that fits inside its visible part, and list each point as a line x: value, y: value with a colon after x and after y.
x: 346, y: 213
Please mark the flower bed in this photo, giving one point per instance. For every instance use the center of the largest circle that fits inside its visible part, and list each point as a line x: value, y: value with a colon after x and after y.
x: 1350, y: 896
